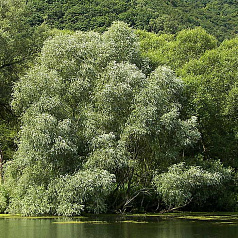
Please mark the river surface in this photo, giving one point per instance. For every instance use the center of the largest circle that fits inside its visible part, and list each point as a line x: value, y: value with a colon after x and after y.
x: 148, y: 228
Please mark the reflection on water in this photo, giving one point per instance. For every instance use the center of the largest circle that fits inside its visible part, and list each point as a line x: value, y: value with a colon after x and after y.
x: 171, y: 228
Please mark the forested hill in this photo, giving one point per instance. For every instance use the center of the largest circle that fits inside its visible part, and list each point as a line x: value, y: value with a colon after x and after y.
x: 219, y: 18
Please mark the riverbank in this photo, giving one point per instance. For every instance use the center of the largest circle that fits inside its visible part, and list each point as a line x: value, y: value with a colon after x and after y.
x: 90, y: 218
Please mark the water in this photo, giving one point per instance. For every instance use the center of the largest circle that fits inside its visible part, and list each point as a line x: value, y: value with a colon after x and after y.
x: 169, y: 228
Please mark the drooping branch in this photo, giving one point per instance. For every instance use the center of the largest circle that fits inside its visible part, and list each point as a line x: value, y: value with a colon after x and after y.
x: 176, y: 208
x: 143, y: 190
x: 12, y: 63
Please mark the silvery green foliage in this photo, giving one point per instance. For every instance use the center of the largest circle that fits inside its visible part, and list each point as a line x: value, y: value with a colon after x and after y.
x: 26, y: 183
x: 108, y: 153
x: 90, y: 116
x: 65, y: 195
x: 83, y: 191
x: 39, y: 84
x: 155, y: 119
x: 74, y: 55
x: 33, y: 201
x: 183, y: 184
x: 115, y: 93
x: 43, y: 137
x: 3, y: 199
x: 122, y: 43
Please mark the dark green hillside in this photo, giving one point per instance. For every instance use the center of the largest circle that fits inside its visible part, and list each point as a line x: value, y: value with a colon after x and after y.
x: 219, y: 17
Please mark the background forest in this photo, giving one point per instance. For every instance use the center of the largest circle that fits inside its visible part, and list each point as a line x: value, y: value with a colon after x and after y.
x: 118, y: 106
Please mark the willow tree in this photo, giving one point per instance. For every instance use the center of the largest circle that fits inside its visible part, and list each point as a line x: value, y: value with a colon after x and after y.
x: 95, y: 123
x: 195, y: 186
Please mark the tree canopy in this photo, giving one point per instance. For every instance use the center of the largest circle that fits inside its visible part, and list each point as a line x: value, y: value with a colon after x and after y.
x: 217, y: 17
x: 87, y: 108
x: 98, y: 125
x: 98, y: 119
